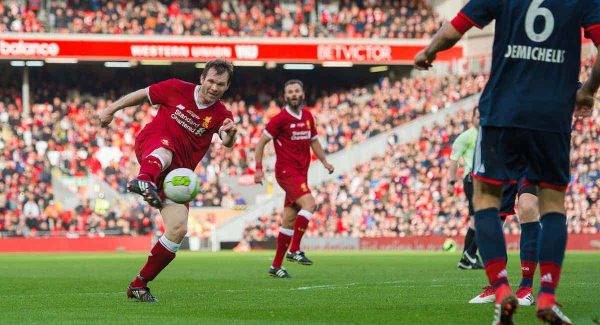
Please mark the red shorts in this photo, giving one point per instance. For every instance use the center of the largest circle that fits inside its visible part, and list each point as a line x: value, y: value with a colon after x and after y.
x: 295, y: 186
x: 145, y: 144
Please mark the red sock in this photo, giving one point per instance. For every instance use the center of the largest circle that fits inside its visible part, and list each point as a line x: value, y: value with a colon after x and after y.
x: 502, y: 291
x: 496, y: 272
x: 299, y: 229
x: 283, y: 241
x: 549, y: 276
x: 150, y: 169
x: 158, y: 259
x: 546, y: 300
x: 527, y: 270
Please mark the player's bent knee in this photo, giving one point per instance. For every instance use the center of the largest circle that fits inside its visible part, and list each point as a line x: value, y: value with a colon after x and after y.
x: 309, y: 205
x: 310, y: 208
x: 165, y: 155
x: 177, y: 232
x: 288, y: 223
x: 528, y: 208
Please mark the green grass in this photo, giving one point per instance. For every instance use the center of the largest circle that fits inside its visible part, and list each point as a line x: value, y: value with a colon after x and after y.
x: 341, y: 288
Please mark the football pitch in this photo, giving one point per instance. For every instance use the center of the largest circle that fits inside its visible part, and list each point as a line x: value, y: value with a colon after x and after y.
x: 226, y: 288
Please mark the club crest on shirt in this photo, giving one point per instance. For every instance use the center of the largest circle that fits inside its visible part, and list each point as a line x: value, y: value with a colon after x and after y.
x: 165, y: 142
x: 206, y: 122
x: 303, y: 187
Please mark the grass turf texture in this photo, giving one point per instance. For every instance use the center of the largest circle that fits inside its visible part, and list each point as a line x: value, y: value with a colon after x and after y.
x: 341, y: 288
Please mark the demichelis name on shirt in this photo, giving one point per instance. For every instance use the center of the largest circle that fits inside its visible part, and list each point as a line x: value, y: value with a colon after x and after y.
x: 525, y: 52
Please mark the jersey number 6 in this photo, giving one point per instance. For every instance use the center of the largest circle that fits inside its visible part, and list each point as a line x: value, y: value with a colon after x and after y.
x: 533, y: 12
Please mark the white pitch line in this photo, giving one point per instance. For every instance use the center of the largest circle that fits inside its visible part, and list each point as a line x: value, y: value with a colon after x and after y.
x: 325, y: 286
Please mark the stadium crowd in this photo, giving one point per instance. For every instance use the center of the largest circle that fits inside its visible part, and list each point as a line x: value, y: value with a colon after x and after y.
x: 403, y: 193
x: 309, y: 18
x: 61, y: 135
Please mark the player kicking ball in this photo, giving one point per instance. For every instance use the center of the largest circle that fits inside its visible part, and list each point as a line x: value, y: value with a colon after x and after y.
x: 178, y: 137
x: 294, y: 133
x: 526, y: 111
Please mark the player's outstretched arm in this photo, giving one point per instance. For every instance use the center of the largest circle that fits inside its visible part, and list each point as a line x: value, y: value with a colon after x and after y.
x: 584, y: 102
x: 132, y: 99
x: 318, y: 150
x: 444, y: 39
x: 258, y: 158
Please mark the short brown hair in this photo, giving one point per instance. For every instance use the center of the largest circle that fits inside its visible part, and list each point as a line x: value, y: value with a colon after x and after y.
x: 293, y: 81
x: 221, y: 66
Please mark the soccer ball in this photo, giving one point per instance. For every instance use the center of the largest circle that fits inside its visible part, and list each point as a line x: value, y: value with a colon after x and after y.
x: 449, y: 245
x: 181, y: 185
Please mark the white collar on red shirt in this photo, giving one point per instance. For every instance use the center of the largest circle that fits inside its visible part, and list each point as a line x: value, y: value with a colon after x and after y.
x: 197, y: 98
x: 289, y: 110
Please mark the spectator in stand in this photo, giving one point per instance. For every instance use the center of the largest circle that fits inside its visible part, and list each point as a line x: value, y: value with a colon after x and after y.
x: 310, y: 18
x: 401, y: 193
x: 59, y: 137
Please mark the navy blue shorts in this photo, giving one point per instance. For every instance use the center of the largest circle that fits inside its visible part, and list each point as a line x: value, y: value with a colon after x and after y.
x: 501, y: 154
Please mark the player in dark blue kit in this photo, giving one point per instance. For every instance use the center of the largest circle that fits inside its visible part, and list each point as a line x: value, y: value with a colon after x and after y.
x: 526, y: 113
x: 524, y: 196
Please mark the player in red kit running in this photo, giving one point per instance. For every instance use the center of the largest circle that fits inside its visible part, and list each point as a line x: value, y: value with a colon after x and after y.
x: 178, y: 137
x: 293, y: 133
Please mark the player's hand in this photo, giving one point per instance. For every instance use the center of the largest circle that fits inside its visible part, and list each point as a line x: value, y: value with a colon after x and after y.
x: 423, y: 60
x: 229, y: 127
x: 105, y: 117
x: 258, y: 176
x: 329, y: 167
x: 584, y: 103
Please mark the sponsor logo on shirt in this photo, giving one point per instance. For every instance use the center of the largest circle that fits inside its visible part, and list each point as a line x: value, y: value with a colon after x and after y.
x: 187, y: 122
x: 181, y: 107
x: 300, y: 135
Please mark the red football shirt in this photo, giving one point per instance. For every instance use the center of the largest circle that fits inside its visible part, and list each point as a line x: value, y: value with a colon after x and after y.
x: 183, y: 119
x: 292, y: 135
